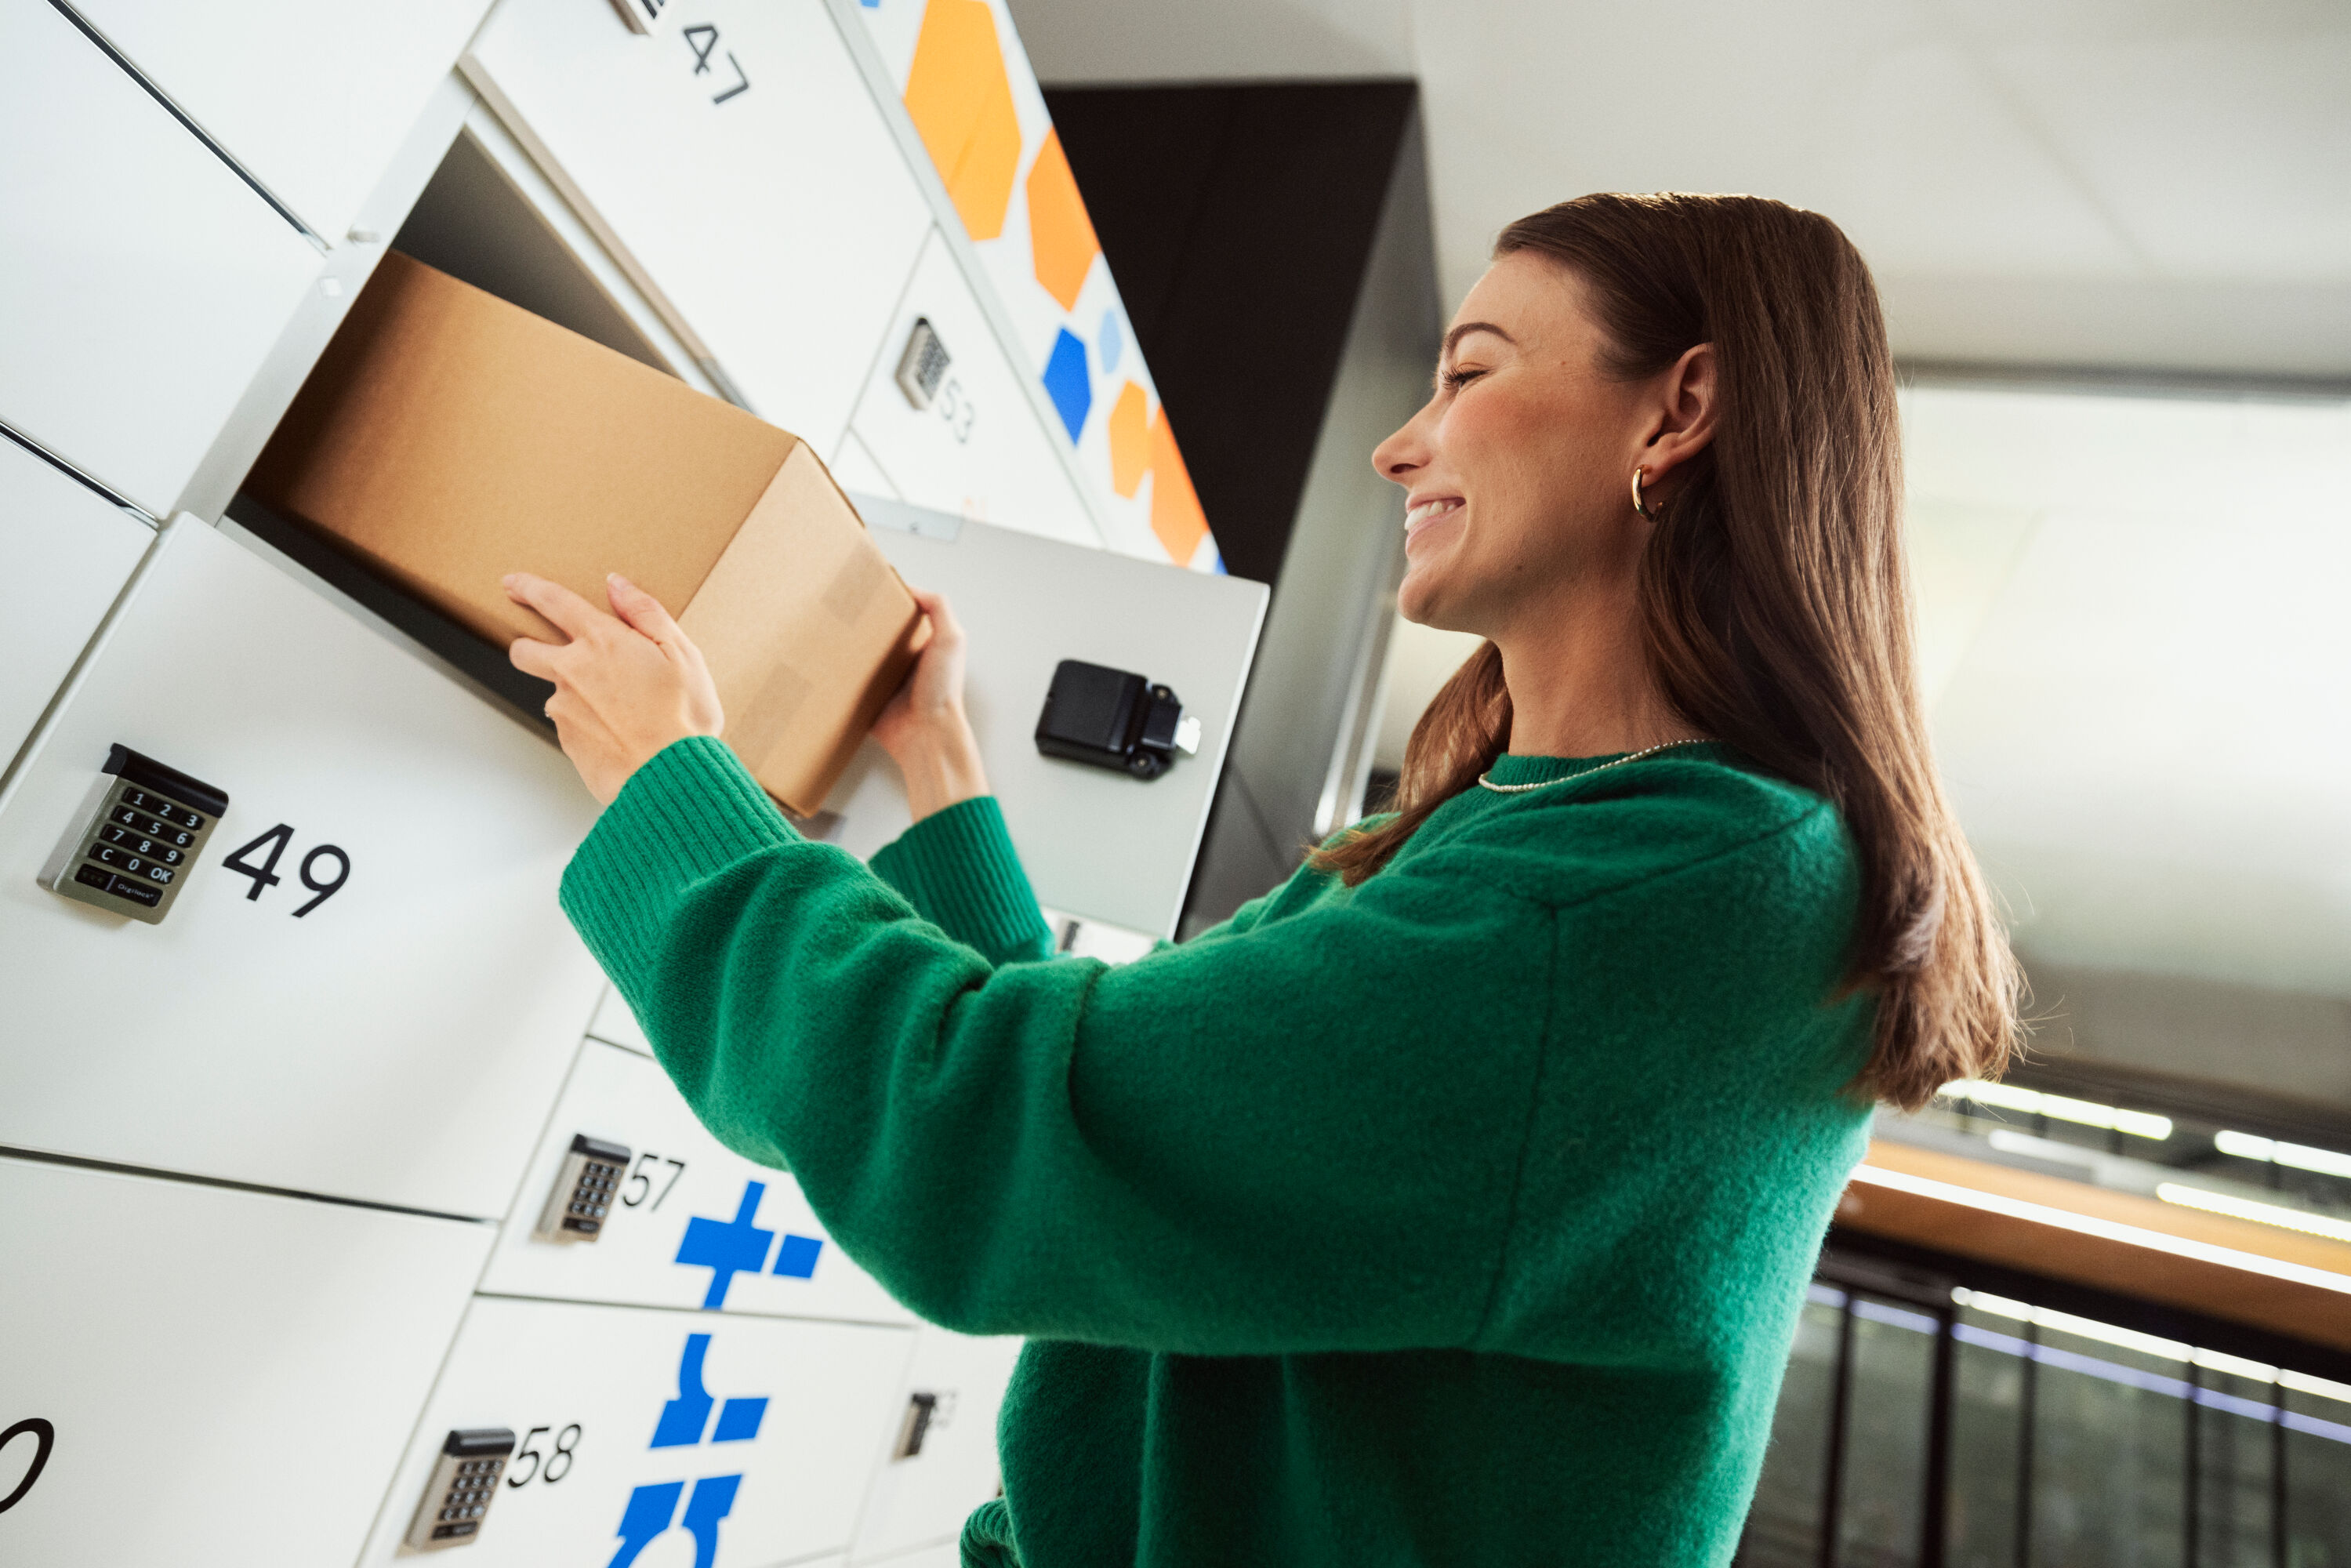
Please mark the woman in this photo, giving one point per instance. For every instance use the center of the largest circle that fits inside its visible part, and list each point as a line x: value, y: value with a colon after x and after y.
x: 1454, y: 1202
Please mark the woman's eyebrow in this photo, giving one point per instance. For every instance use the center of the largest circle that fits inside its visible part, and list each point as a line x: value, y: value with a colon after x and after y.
x: 1452, y: 338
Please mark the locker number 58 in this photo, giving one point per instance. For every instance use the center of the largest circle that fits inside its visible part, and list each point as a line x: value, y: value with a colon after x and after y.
x: 323, y: 870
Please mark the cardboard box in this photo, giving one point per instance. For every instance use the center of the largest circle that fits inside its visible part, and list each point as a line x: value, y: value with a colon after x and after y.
x: 448, y: 438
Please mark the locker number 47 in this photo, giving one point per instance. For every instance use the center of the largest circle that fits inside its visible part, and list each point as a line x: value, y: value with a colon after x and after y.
x: 272, y: 846
x: 703, y: 39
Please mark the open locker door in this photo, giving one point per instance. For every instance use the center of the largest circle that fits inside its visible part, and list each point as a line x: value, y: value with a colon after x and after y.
x: 1096, y: 843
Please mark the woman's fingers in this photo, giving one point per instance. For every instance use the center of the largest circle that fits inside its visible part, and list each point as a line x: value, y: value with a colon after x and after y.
x: 533, y: 657
x: 572, y: 615
x: 644, y: 611
x: 944, y: 627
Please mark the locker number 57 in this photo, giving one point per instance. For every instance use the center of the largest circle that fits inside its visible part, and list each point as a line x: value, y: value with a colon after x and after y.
x: 272, y: 845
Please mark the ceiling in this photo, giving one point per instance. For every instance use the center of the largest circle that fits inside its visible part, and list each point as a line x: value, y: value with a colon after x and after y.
x: 2134, y: 608
x: 2153, y: 186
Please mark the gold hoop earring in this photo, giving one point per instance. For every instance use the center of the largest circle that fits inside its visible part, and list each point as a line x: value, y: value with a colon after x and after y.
x: 1638, y: 505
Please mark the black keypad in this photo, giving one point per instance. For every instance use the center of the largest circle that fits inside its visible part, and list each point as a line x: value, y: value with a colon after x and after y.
x: 107, y: 854
x: 140, y: 823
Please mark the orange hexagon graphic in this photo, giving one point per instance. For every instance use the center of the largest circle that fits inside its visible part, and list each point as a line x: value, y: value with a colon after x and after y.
x: 1061, y: 235
x: 1130, y: 440
x: 961, y: 102
x: 1175, y: 513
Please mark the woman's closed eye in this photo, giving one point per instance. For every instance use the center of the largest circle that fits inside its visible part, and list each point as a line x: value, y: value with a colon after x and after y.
x: 1460, y: 376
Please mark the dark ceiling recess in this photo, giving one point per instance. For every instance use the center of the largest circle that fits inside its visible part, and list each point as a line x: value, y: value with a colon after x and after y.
x: 1237, y: 221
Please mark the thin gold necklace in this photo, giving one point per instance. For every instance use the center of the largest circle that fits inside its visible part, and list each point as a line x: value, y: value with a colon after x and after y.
x: 1486, y: 779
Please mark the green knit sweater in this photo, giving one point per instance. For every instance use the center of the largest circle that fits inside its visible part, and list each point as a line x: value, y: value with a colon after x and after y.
x: 1459, y: 1218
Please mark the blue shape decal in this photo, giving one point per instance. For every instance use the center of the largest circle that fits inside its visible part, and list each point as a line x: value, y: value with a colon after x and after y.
x: 1110, y: 343
x: 727, y: 1248
x: 712, y: 1500
x: 739, y: 1420
x: 684, y: 1417
x: 651, y: 1510
x: 1067, y: 382
x: 796, y: 1257
x: 646, y: 1520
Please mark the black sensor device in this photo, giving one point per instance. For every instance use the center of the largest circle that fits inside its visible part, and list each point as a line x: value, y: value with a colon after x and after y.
x: 1113, y: 718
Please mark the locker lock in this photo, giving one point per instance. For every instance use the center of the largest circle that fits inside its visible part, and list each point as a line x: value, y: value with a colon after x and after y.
x: 585, y: 1183
x: 1113, y: 720
x: 134, y: 838
x: 463, y: 1483
x: 924, y: 1412
x: 923, y: 364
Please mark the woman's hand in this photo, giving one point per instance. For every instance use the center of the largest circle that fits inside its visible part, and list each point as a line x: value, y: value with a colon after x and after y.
x: 626, y: 685
x: 923, y: 728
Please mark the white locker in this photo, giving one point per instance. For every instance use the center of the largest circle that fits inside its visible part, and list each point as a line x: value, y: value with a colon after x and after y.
x: 1096, y: 843
x: 944, y: 1554
x: 971, y: 443
x: 312, y: 100
x: 923, y: 1497
x: 141, y: 281
x: 229, y: 1377
x: 691, y: 1225
x: 654, y: 1431
x: 615, y: 1025
x: 739, y: 167
x: 398, y: 1038
x: 64, y: 554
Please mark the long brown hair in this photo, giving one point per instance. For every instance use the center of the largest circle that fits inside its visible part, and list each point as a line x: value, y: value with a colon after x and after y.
x: 1773, y: 595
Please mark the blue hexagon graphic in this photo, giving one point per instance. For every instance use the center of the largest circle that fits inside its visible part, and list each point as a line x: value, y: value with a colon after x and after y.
x: 1067, y: 384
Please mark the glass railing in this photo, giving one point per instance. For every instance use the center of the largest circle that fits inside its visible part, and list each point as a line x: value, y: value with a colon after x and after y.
x: 1931, y: 1424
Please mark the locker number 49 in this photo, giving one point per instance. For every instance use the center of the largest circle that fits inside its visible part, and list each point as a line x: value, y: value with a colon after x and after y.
x: 264, y: 874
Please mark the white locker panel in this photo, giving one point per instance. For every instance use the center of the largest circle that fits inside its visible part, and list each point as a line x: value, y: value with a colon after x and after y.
x: 924, y: 1497
x: 977, y: 449
x: 231, y: 1377
x: 1096, y: 843
x: 694, y: 1225
x: 754, y: 1435
x: 615, y: 1025
x: 141, y: 282
x: 945, y: 1554
x: 311, y: 100
x: 777, y: 221
x: 402, y: 1041
x: 64, y: 554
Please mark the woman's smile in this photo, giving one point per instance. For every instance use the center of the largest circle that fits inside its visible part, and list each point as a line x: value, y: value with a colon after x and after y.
x: 1425, y: 514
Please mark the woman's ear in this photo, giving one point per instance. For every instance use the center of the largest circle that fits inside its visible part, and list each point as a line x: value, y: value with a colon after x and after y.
x: 1686, y: 405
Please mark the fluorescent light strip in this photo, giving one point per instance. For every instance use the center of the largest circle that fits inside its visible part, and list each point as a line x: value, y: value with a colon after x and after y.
x: 2259, y: 1213
x: 2301, y: 1156
x: 2059, y: 1107
x: 2106, y: 1230
x: 2081, y: 1328
x: 2303, y: 1383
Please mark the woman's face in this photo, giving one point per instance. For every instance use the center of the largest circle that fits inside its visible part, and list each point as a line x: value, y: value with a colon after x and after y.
x: 1517, y: 472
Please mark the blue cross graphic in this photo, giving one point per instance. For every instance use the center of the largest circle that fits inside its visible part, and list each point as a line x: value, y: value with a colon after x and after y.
x: 728, y: 1247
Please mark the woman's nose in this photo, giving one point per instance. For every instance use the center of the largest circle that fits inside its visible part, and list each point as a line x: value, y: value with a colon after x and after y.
x: 1401, y: 453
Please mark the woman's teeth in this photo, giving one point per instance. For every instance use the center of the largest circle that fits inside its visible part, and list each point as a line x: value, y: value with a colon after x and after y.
x: 1428, y: 512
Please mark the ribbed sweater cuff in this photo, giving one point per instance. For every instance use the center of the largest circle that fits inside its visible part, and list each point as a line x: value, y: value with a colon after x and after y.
x: 691, y: 811
x: 958, y: 869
